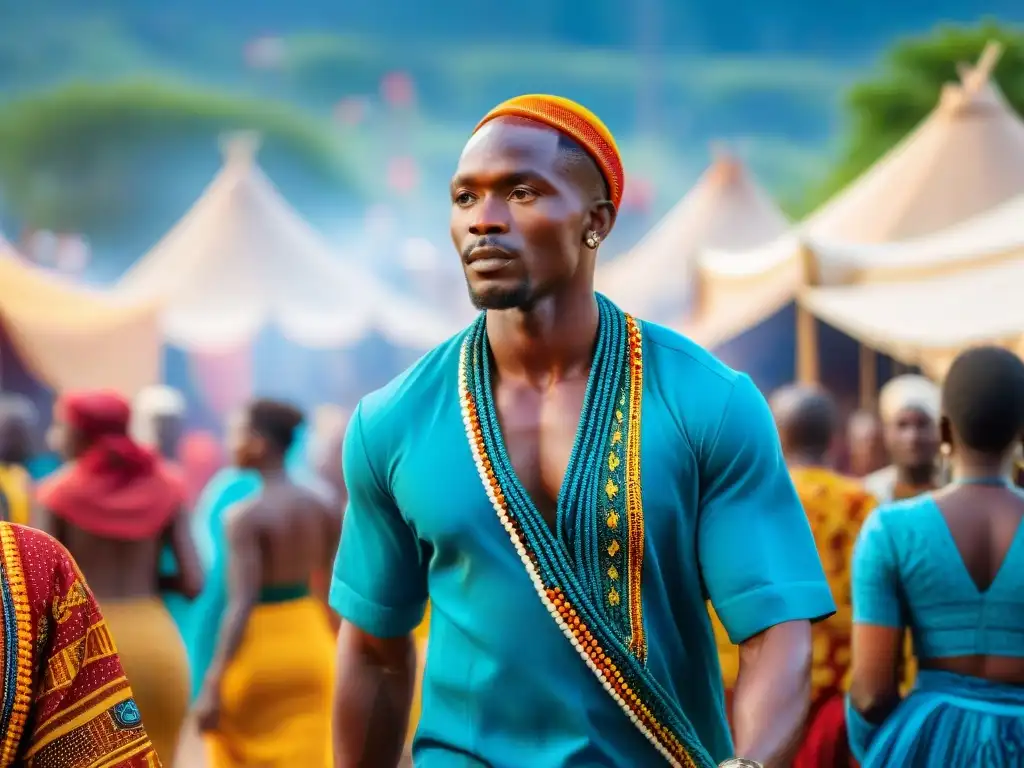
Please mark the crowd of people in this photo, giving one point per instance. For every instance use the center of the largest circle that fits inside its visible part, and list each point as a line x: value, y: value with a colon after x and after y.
x: 630, y: 556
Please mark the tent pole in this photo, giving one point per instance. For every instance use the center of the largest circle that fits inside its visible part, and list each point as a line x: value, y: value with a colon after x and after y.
x: 806, y: 347
x: 868, y: 377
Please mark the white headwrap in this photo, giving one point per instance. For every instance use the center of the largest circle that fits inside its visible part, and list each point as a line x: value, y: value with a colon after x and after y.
x: 149, y: 406
x: 909, y: 391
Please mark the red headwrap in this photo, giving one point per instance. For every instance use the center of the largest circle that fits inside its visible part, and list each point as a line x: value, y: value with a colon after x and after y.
x: 116, y: 488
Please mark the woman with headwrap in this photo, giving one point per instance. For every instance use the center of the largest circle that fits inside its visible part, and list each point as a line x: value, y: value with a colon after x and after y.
x: 115, y: 506
x: 909, y: 409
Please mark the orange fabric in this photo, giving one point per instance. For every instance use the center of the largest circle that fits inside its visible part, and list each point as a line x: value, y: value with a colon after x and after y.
x: 578, y: 123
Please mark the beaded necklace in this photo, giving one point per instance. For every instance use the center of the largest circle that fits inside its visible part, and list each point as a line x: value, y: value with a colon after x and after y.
x: 587, y: 570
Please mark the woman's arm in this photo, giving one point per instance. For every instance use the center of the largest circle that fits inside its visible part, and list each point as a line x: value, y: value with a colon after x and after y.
x: 189, y: 577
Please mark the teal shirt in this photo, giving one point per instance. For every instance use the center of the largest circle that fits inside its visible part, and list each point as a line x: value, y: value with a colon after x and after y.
x: 503, y: 686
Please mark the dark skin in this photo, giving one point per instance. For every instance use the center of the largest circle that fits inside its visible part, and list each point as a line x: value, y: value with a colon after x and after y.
x: 118, y: 569
x: 793, y: 407
x: 280, y: 538
x: 983, y: 522
x: 912, y: 439
x: 867, y: 449
x: 522, y: 210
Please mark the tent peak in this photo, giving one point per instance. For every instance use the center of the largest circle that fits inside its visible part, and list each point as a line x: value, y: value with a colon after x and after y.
x: 240, y: 148
x: 974, y: 78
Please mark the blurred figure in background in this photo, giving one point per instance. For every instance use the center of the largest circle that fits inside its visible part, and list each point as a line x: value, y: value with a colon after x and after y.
x: 329, y: 424
x: 18, y: 421
x: 58, y: 713
x: 267, y: 693
x: 158, y: 420
x: 201, y: 457
x: 949, y: 566
x: 231, y: 486
x: 865, y: 443
x: 909, y: 409
x: 115, y: 507
x: 836, y: 507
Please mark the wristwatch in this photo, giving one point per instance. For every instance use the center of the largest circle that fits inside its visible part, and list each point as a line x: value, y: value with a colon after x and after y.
x: 739, y: 762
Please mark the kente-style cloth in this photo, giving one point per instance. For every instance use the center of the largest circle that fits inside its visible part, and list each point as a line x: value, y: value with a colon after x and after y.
x: 276, y: 691
x: 66, y: 700
x: 578, y: 123
x: 154, y: 659
x: 588, y: 644
x: 116, y: 488
x: 948, y: 721
x: 836, y: 507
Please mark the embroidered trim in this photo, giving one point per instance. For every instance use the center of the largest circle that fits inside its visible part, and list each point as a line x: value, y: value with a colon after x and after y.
x: 634, y: 496
x: 17, y: 619
x: 562, y: 611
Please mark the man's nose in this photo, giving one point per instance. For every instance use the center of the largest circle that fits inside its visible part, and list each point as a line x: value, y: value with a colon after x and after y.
x: 490, y: 217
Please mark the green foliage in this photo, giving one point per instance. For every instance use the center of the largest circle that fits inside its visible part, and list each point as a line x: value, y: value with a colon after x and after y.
x: 882, y: 110
x: 84, y: 156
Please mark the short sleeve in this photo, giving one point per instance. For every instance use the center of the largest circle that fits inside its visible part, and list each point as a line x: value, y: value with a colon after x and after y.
x: 757, y: 555
x: 379, y: 582
x: 875, y: 576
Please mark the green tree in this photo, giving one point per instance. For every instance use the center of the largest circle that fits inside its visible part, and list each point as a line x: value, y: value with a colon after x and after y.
x: 884, y: 108
x: 100, y: 158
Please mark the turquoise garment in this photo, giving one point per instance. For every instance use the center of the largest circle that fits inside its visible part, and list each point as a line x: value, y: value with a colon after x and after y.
x: 907, y: 572
x: 948, y: 721
x: 199, y: 620
x: 503, y: 686
x: 42, y: 465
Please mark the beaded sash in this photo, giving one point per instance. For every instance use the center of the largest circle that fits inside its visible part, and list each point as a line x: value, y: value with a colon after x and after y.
x: 588, y: 571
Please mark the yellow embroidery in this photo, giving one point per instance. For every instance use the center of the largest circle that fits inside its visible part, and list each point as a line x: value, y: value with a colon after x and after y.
x: 634, y: 497
x: 22, y: 641
x: 611, y: 488
x: 75, y: 598
x: 613, y: 597
x: 618, y: 415
x: 613, y: 549
x: 613, y: 461
x: 616, y: 437
x: 613, y: 573
x: 612, y: 519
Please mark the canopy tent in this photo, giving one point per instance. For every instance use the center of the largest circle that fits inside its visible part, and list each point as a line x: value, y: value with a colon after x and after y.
x: 927, y: 322
x: 966, y: 158
x: 726, y: 208
x: 70, y: 337
x: 985, y: 239
x: 243, y: 258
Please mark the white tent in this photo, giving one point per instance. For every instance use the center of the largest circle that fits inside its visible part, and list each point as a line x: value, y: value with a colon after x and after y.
x: 965, y: 159
x: 726, y: 208
x: 242, y: 258
x: 927, y: 322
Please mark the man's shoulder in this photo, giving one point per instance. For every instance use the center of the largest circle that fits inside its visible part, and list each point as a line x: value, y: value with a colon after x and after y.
x: 405, y: 395
x: 673, y: 352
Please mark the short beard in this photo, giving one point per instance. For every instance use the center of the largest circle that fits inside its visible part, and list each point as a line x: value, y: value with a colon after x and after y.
x: 519, y: 297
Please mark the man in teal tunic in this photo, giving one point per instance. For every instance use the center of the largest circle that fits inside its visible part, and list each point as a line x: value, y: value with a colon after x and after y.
x: 567, y: 486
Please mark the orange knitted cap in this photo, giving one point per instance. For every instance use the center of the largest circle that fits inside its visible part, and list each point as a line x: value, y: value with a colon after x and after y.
x: 575, y: 121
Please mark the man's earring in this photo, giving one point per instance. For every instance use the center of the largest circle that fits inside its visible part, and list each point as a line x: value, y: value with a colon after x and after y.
x: 593, y: 240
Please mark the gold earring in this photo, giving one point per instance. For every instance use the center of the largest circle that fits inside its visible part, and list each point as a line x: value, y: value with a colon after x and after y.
x: 593, y: 240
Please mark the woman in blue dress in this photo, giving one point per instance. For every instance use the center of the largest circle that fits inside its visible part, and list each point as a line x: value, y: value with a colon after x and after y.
x: 949, y: 567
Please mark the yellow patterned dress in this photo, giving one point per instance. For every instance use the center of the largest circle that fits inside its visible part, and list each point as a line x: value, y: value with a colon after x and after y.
x: 836, y: 506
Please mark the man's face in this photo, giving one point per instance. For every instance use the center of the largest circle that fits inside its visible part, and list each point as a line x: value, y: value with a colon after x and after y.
x: 518, y: 220
x: 912, y: 438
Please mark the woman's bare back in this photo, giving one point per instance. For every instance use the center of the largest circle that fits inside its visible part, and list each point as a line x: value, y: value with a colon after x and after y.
x: 115, y: 569
x: 985, y: 524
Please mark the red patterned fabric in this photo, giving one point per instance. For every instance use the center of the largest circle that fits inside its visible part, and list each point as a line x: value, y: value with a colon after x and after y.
x: 67, y: 703
x: 578, y: 123
x: 116, y: 488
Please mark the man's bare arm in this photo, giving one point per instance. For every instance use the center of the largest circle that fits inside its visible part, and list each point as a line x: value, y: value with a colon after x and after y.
x: 372, y: 698
x: 188, y: 580
x: 773, y: 694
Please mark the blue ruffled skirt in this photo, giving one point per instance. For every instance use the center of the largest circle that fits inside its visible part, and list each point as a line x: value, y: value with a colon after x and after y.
x: 948, y: 721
